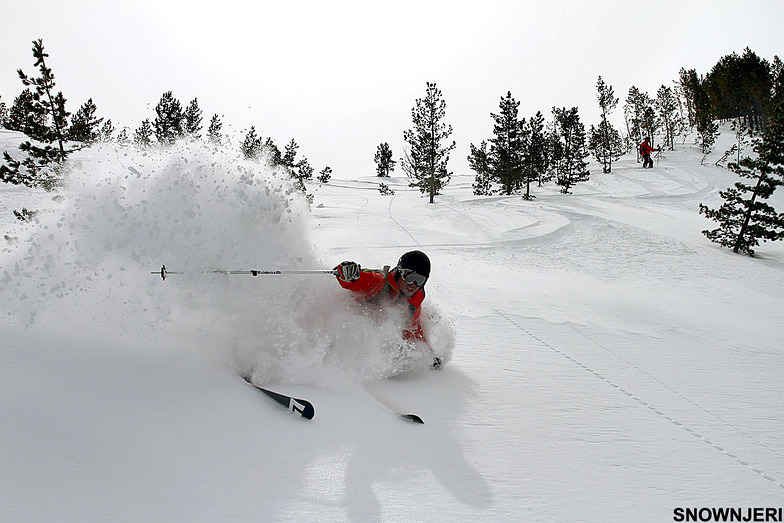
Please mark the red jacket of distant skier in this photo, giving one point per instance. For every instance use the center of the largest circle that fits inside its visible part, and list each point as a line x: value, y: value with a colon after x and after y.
x: 646, y: 149
x: 375, y: 286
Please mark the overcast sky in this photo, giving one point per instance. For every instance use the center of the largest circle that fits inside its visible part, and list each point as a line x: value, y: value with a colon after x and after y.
x: 341, y: 77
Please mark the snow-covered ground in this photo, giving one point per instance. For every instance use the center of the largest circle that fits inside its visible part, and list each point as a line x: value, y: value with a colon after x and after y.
x: 606, y: 361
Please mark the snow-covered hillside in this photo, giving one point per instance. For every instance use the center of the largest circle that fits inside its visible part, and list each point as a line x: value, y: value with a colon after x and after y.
x: 606, y: 362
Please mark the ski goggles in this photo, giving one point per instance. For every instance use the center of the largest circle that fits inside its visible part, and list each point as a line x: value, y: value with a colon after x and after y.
x: 411, y: 277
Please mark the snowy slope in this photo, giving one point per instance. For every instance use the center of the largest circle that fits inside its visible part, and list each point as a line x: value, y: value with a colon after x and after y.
x: 608, y: 363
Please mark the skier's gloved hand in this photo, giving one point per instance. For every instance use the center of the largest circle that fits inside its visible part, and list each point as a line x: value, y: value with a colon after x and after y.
x: 348, y: 271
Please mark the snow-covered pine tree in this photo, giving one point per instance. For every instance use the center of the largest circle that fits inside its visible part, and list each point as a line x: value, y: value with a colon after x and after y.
x: 192, y: 120
x: 425, y: 161
x: 570, y: 164
x: 169, y: 121
x: 85, y: 127
x: 744, y: 218
x: 384, y: 162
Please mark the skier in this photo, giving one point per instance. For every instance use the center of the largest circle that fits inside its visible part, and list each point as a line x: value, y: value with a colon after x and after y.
x: 645, y: 152
x: 406, y: 281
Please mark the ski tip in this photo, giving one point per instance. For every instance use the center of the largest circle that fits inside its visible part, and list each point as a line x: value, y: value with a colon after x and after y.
x: 413, y: 418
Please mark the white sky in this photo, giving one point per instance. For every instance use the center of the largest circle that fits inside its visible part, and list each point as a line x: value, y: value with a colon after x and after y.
x: 341, y: 77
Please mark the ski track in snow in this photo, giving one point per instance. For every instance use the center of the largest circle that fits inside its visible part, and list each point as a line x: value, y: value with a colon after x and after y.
x: 657, y: 409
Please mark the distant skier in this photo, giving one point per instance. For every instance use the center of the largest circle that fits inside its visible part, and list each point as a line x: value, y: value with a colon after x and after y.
x: 404, y: 282
x: 645, y: 152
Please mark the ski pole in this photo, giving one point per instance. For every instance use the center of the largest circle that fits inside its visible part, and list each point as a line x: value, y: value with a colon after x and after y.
x: 164, y: 272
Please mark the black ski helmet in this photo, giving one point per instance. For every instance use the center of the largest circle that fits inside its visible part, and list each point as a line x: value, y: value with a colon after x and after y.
x: 416, y: 261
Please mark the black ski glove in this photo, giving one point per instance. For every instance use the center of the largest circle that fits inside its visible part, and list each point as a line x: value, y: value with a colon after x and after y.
x: 348, y: 271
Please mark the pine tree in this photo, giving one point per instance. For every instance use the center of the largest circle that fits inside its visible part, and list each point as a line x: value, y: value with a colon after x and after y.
x: 606, y: 144
x: 24, y: 117
x: 214, y: 130
x: 633, y: 111
x: 273, y: 152
x: 301, y: 173
x: 192, y: 120
x: 3, y: 115
x: 667, y: 105
x: 290, y: 154
x: 536, y: 154
x: 251, y: 146
x: 605, y: 141
x: 142, y: 136
x: 570, y: 165
x: 107, y: 131
x: 85, y: 127
x: 740, y: 87
x: 325, y: 174
x: 169, y: 121
x: 384, y: 162
x: 707, y: 128
x: 46, y: 101
x: 506, y: 146
x: 777, y: 79
x: 527, y: 174
x: 425, y: 161
x: 42, y: 164
x: 687, y: 82
x: 479, y: 162
x: 744, y: 218
x: 650, y: 120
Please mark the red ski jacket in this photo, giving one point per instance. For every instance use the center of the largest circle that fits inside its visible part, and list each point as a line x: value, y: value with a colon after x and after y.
x: 375, y: 285
x: 645, y: 148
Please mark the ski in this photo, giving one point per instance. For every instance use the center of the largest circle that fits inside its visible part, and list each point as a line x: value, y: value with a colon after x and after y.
x: 413, y: 418
x: 302, y: 407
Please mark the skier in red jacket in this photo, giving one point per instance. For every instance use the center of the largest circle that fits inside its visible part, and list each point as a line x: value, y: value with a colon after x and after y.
x: 403, y: 283
x: 645, y: 152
